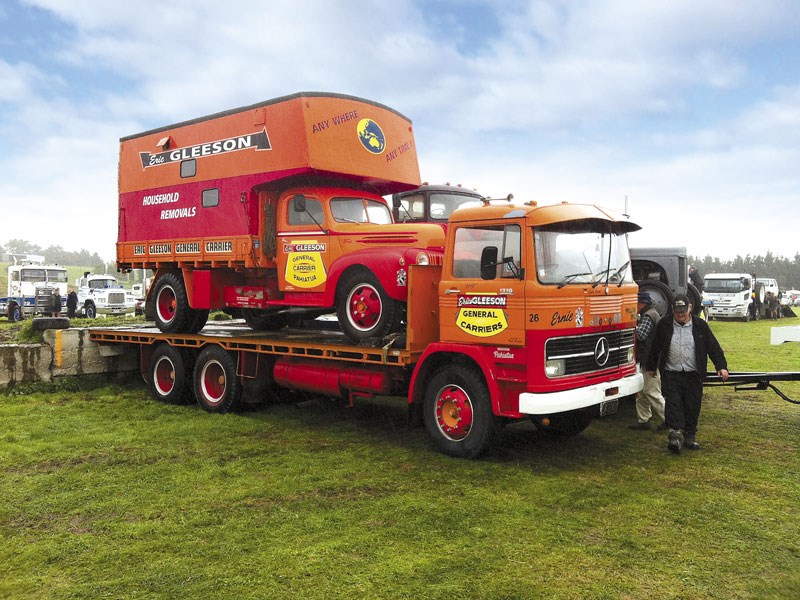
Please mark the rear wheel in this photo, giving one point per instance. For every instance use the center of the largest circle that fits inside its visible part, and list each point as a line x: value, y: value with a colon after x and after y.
x: 458, y: 412
x: 216, y: 386
x: 172, y: 311
x: 364, y: 308
x: 169, y: 380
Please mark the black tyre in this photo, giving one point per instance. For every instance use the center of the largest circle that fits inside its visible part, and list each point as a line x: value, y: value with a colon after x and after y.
x: 42, y: 323
x: 261, y: 320
x: 216, y: 386
x: 696, y: 298
x: 90, y: 310
x: 198, y: 320
x: 660, y: 293
x: 15, y: 313
x: 458, y: 412
x: 364, y: 308
x: 168, y: 378
x: 567, y: 424
x: 172, y: 311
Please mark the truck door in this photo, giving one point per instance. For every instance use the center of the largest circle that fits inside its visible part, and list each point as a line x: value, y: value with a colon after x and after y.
x: 482, y: 291
x: 303, y: 252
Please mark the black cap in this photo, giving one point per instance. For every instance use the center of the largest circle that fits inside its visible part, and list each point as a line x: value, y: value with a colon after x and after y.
x: 681, y: 303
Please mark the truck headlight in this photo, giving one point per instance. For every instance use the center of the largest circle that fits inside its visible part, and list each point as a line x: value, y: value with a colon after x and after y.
x: 630, y: 355
x: 423, y: 259
x: 555, y: 367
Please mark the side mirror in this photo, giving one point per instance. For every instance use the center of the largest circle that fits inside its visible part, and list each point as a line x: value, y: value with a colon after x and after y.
x: 489, y: 262
x: 396, y: 201
x: 299, y: 203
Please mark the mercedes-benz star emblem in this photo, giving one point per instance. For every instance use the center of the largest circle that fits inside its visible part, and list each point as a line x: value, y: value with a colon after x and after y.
x: 601, y: 352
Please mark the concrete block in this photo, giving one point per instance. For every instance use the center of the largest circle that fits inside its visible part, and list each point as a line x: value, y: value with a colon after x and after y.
x: 25, y: 363
x: 74, y: 354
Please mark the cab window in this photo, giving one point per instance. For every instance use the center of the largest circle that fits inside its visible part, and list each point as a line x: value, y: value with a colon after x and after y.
x: 312, y: 215
x: 501, y: 241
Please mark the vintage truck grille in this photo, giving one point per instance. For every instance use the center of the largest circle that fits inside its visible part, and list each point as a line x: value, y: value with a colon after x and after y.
x: 591, y: 352
x: 116, y: 298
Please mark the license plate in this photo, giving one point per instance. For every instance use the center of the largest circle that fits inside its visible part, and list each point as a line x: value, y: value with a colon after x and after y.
x: 609, y: 407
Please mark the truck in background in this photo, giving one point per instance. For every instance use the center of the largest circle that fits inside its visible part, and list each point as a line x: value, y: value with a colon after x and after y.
x: 275, y: 209
x: 432, y: 203
x: 530, y: 315
x: 102, y: 295
x: 733, y: 296
x: 30, y: 288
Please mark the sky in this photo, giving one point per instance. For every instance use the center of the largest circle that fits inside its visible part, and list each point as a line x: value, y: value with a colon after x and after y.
x: 684, y: 115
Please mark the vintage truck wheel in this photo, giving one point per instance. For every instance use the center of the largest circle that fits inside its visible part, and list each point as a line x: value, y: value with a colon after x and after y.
x: 566, y: 424
x: 172, y: 310
x: 169, y: 379
x: 364, y: 308
x: 458, y: 412
x: 261, y: 320
x: 15, y: 314
x: 90, y: 311
x: 660, y: 293
x: 216, y: 387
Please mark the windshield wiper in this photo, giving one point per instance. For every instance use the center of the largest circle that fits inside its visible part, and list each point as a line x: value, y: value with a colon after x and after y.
x: 616, y: 273
x: 569, y: 278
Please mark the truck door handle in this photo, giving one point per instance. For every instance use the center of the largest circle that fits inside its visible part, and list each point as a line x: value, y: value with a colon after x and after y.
x: 452, y: 291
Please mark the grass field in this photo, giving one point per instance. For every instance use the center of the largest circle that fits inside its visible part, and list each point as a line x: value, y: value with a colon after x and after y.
x: 108, y: 494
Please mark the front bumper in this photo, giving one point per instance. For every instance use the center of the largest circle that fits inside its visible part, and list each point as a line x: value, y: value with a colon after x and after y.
x: 592, y: 395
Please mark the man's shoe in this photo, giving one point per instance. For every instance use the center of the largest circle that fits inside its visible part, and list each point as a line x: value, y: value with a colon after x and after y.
x: 675, y: 441
x: 645, y: 425
x: 690, y: 443
x: 662, y: 427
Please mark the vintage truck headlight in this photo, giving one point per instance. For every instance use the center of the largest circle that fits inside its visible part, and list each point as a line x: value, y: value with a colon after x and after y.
x: 423, y: 259
x: 555, y: 367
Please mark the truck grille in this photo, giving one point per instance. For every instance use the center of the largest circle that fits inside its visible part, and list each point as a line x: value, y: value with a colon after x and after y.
x: 116, y: 298
x: 587, y: 353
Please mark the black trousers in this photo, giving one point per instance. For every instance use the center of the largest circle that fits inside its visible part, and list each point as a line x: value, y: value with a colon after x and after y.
x: 683, y: 393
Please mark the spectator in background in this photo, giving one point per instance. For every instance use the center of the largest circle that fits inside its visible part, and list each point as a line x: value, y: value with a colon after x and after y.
x: 72, y: 304
x: 695, y: 278
x: 649, y: 400
x: 55, y: 303
x: 681, y: 349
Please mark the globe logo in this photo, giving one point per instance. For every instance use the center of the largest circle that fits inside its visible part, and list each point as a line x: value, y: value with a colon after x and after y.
x: 371, y: 136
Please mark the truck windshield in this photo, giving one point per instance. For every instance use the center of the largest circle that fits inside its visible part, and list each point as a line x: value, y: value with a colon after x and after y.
x: 360, y: 210
x: 34, y: 275
x: 56, y: 275
x: 98, y: 284
x: 576, y: 253
x: 443, y: 205
x: 725, y: 286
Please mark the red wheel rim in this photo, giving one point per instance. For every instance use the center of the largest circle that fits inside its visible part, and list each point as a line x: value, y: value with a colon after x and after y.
x: 166, y: 304
x: 164, y: 376
x: 364, y: 307
x: 453, y: 412
x: 213, y: 383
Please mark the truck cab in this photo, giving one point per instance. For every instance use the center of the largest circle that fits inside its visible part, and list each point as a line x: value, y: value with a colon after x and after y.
x: 102, y: 295
x: 732, y: 296
x: 432, y: 203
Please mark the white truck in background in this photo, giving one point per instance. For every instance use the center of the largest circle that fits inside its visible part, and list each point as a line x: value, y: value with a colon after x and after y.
x: 30, y: 289
x: 102, y: 295
x: 732, y: 296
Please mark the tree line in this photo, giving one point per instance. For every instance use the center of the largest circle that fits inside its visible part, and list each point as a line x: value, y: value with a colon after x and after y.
x: 54, y: 254
x: 785, y: 270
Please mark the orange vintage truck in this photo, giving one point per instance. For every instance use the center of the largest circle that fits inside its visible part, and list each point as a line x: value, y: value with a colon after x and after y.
x: 531, y: 315
x: 272, y: 209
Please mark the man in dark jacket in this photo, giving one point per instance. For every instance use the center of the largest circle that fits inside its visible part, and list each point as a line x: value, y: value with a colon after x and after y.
x: 681, y: 349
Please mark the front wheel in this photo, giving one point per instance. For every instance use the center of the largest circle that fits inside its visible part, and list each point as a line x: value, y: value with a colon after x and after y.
x: 15, y: 314
x: 364, y: 308
x: 90, y: 310
x: 216, y: 386
x: 458, y: 412
x: 172, y: 311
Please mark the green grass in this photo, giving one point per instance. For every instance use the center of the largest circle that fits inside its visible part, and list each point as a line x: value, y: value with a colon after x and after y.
x: 108, y: 494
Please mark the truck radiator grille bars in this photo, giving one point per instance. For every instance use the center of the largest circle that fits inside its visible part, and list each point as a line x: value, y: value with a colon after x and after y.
x: 591, y: 352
